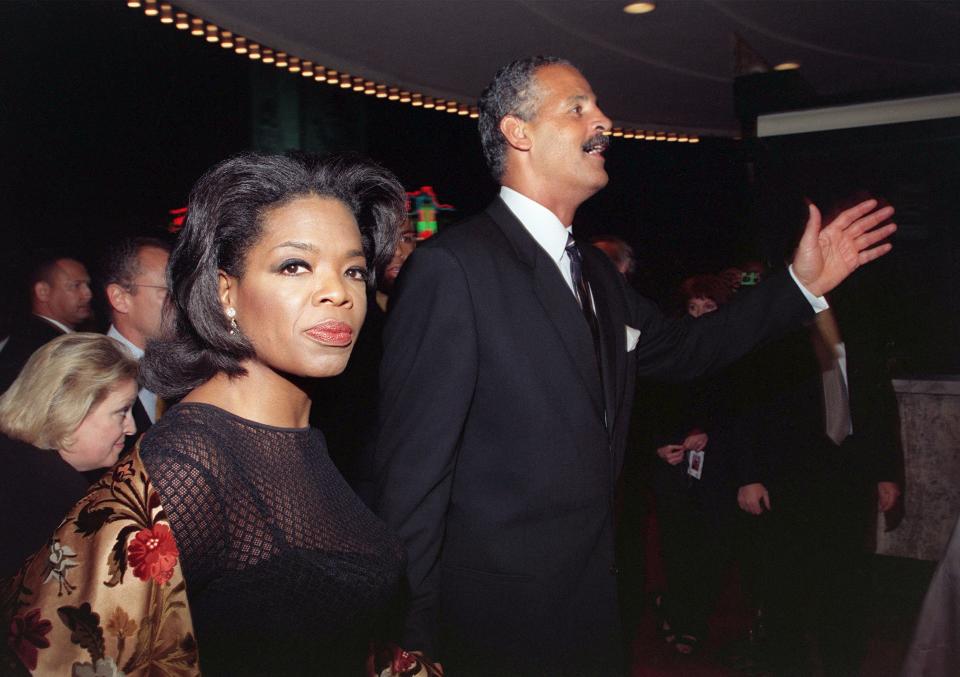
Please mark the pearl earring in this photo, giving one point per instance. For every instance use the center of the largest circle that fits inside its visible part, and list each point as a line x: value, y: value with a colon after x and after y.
x: 232, y: 314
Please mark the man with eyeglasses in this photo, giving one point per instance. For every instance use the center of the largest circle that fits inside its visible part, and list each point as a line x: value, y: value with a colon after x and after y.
x: 135, y: 284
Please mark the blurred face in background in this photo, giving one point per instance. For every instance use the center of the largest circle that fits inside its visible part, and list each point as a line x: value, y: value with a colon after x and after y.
x: 408, y: 242
x: 66, y: 295
x: 700, y: 305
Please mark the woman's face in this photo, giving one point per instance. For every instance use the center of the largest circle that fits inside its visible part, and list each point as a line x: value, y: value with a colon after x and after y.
x: 302, y: 298
x: 98, y: 440
x: 701, y: 305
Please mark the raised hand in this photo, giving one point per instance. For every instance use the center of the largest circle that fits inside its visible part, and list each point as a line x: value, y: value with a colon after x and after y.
x: 826, y: 256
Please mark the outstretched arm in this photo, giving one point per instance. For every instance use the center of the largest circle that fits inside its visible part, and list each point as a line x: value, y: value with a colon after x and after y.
x: 827, y: 255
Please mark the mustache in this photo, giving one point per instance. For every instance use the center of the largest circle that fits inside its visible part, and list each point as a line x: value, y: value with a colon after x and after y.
x: 598, y: 140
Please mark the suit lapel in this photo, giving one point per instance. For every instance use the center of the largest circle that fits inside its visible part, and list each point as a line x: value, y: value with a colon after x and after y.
x: 556, y: 298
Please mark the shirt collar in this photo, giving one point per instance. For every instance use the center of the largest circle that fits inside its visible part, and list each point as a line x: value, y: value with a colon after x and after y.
x: 59, y: 325
x: 542, y: 224
x: 136, y: 351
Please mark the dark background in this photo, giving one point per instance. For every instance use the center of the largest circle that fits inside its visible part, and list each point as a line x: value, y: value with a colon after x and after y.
x: 109, y: 116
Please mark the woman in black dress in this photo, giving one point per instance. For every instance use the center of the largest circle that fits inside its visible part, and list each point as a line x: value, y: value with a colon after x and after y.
x: 287, y: 572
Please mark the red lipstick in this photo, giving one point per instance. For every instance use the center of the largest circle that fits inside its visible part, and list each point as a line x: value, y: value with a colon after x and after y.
x: 331, y: 333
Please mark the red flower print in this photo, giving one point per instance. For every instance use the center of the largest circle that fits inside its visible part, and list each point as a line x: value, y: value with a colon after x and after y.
x: 153, y: 554
x: 27, y: 635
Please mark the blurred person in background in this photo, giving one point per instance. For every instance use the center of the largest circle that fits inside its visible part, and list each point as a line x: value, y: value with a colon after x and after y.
x: 67, y: 413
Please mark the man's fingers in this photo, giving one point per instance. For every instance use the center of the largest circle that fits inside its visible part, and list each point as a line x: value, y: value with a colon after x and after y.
x: 873, y: 236
x: 873, y: 254
x: 765, y: 499
x: 849, y: 216
x: 868, y: 222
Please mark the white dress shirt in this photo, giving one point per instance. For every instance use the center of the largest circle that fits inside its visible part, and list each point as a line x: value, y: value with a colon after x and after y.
x: 147, y: 398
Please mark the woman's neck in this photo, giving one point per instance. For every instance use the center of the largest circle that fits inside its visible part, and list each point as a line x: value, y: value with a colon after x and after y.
x: 262, y: 395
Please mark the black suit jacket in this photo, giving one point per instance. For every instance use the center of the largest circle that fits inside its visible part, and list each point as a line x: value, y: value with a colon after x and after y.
x: 792, y: 449
x: 500, y: 444
x: 25, y: 338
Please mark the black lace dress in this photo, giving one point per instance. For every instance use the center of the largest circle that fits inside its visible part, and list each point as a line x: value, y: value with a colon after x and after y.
x: 287, y: 572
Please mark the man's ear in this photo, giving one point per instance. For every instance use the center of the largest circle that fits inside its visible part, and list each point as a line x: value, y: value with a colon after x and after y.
x: 41, y: 291
x: 118, y: 298
x: 225, y: 289
x: 515, y: 132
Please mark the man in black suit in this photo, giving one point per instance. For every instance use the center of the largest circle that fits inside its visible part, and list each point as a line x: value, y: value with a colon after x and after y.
x: 60, y: 297
x: 509, y: 363
x: 135, y: 284
x: 828, y: 459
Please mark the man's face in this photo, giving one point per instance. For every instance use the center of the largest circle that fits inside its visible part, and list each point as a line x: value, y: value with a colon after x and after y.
x: 567, y: 144
x: 67, y: 293
x: 147, y: 295
x: 408, y: 242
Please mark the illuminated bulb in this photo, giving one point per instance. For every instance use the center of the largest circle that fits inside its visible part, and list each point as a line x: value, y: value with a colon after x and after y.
x: 428, y: 103
x: 787, y: 66
x: 650, y: 136
x: 381, y: 91
x: 182, y: 22
x: 474, y: 113
x: 294, y: 66
x: 196, y: 26
x: 607, y: 133
x: 345, y: 81
x: 133, y: 3
x: 694, y: 139
x: 440, y: 104
x: 226, y: 39
x: 253, y: 51
x: 453, y: 108
x: 150, y: 7
x: 333, y: 78
x: 281, y: 61
x: 268, y: 55
x: 319, y: 74
x: 405, y: 97
x: 306, y: 69
x: 240, y: 45
x: 358, y: 84
x: 640, y: 7
x: 671, y: 138
x: 394, y: 94
x: 628, y: 135
x: 166, y: 14
x: 682, y: 138
x: 369, y: 88
x: 213, y: 33
x: 463, y: 111
x: 417, y: 100
x: 617, y: 132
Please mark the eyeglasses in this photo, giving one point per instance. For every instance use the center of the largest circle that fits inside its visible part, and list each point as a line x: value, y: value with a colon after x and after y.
x: 165, y: 289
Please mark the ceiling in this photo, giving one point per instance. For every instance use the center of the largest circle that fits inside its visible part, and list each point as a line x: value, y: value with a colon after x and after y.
x: 672, y: 68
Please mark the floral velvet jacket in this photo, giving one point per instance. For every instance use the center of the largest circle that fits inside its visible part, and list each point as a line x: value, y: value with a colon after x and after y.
x: 106, y: 597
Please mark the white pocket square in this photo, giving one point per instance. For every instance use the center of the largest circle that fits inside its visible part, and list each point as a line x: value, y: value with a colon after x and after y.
x: 633, y: 337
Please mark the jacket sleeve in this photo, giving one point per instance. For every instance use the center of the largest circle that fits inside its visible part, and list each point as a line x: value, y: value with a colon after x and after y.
x: 427, y: 379
x: 684, y: 348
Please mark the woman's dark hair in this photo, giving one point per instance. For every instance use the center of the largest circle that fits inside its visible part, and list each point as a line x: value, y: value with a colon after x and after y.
x: 705, y: 286
x: 224, y: 220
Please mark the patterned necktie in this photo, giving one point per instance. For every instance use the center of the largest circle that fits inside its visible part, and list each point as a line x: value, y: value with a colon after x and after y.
x: 581, y: 288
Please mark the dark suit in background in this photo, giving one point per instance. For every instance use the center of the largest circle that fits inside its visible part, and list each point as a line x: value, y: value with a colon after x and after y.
x: 25, y: 337
x: 500, y: 442
x: 815, y: 560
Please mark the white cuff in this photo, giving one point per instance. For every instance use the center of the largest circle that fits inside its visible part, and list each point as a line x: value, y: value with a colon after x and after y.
x: 818, y: 303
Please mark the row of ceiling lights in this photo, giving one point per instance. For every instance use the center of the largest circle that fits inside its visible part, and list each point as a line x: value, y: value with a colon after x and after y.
x: 241, y: 45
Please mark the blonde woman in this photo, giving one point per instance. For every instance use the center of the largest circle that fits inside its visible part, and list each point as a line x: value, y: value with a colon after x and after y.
x: 66, y: 413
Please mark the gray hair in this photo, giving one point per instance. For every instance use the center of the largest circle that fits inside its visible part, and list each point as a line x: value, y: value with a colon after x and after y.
x: 513, y: 91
